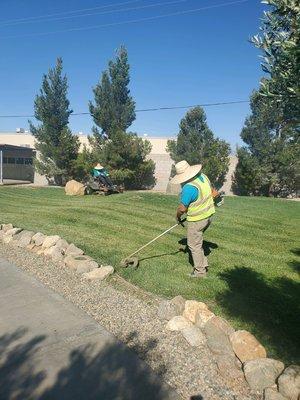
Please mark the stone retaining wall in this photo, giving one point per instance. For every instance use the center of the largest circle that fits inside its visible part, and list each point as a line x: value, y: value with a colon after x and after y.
x: 238, y: 354
x: 57, y: 249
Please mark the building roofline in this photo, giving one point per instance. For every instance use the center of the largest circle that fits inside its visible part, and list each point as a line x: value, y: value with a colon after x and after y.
x: 141, y: 135
x: 4, y: 146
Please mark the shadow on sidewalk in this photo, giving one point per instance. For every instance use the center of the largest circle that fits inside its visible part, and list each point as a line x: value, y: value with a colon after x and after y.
x: 111, y: 373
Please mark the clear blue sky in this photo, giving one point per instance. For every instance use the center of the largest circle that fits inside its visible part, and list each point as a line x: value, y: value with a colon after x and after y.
x: 198, y: 57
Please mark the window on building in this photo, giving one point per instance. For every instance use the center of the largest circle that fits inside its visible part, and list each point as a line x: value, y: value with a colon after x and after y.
x: 28, y: 161
x: 4, y: 160
x: 20, y: 160
x: 11, y: 160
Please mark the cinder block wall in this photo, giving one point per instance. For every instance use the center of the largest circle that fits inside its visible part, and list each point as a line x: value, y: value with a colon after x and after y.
x: 164, y: 165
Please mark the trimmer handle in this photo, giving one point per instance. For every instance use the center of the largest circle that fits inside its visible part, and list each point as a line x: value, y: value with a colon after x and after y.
x: 181, y: 222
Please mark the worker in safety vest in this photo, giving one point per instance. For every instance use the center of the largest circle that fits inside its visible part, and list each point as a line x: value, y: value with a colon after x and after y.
x: 197, y: 203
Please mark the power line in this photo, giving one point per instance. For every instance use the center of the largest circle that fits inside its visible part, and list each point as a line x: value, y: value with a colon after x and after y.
x: 67, y: 12
x: 225, y: 103
x: 155, y: 17
x: 148, y: 109
x: 162, y: 4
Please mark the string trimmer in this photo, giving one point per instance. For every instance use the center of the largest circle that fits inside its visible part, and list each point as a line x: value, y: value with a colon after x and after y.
x: 134, y: 261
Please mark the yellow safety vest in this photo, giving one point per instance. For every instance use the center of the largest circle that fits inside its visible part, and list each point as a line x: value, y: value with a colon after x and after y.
x: 203, y: 207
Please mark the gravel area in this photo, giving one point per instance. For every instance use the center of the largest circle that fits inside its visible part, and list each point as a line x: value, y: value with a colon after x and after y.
x: 131, y: 315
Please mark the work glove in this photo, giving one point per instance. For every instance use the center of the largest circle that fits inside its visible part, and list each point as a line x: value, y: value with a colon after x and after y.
x: 181, y: 221
x: 219, y: 200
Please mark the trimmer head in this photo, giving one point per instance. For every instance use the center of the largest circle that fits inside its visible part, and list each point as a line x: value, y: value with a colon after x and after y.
x: 130, y: 262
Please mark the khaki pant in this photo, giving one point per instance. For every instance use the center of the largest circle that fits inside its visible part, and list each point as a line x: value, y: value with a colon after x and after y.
x: 195, y: 241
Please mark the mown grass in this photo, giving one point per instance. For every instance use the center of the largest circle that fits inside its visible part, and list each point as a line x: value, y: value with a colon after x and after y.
x: 254, y: 243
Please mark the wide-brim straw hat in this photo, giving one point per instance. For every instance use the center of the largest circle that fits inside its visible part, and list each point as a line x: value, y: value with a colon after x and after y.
x: 98, y: 166
x: 185, y: 172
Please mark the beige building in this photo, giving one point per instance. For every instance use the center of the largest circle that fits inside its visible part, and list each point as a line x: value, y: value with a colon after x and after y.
x: 158, y: 154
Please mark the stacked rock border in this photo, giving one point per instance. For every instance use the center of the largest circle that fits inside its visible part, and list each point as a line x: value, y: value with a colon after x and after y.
x: 56, y: 249
x: 238, y: 354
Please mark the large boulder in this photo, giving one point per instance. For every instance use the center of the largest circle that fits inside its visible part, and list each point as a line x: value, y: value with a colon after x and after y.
x: 55, y: 253
x: 217, y: 331
x: 50, y: 241
x: 72, y: 250
x: 13, y: 231
x: 9, y: 234
x: 229, y: 367
x: 6, y: 227
x: 178, y: 323
x: 72, y: 262
x: 87, y: 267
x: 62, y: 244
x: 191, y: 307
x: 289, y: 382
x: 246, y: 346
x: 7, y: 239
x: 194, y: 336
x: 168, y: 309
x: 99, y: 273
x: 80, y: 264
x: 74, y: 188
x: 273, y: 394
x: 38, y: 239
x: 23, y: 238
x: 202, y: 317
x: 262, y: 372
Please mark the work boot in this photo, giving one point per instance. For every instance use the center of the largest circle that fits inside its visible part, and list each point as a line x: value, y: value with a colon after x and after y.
x: 197, y: 274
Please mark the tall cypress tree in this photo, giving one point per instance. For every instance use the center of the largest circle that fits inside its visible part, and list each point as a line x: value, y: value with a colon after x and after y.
x: 196, y: 144
x: 113, y: 111
x: 114, y: 108
x: 57, y: 147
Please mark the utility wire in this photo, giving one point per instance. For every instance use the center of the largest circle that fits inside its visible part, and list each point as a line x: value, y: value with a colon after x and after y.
x: 105, y: 12
x: 223, y: 103
x: 133, y: 21
x: 161, y: 4
x: 67, y: 12
x: 147, y: 109
x: 192, y: 106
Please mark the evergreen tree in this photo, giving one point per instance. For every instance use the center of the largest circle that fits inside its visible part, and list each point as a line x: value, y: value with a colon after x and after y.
x: 126, y: 158
x: 269, y: 163
x: 248, y: 175
x: 196, y: 144
x: 279, y: 42
x: 113, y: 111
x: 57, y: 147
x: 114, y: 108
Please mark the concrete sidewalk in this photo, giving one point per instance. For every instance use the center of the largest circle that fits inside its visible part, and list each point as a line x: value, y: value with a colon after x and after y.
x: 49, y: 349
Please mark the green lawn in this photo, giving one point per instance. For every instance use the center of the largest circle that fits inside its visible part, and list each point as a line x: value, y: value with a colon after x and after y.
x: 254, y: 242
